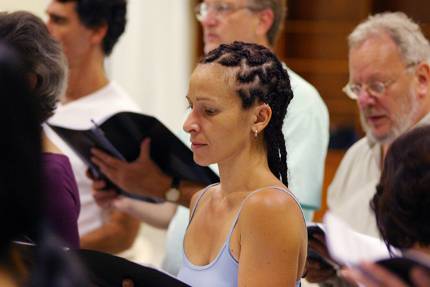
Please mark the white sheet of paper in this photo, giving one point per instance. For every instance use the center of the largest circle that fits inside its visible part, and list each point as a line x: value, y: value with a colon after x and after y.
x: 349, y: 247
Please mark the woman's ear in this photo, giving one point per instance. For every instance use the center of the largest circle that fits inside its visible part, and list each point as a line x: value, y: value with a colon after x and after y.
x: 263, y: 114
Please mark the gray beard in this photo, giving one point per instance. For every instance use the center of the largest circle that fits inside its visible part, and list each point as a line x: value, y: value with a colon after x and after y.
x: 403, y: 122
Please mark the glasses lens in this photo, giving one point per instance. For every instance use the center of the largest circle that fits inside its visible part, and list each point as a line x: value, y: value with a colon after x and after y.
x: 376, y: 88
x: 201, y: 10
x: 352, y: 91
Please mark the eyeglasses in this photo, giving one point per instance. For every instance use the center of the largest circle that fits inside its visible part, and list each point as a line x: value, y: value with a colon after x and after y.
x: 219, y: 9
x: 376, y: 88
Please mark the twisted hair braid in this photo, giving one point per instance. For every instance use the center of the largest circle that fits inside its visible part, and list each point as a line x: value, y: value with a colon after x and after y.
x: 260, y: 77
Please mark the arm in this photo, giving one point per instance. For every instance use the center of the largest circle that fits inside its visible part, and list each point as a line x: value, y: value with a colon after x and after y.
x: 142, y: 176
x: 116, y: 235
x: 156, y: 215
x: 272, y: 241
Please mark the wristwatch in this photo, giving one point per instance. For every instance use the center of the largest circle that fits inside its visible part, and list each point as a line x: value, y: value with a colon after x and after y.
x: 173, y: 194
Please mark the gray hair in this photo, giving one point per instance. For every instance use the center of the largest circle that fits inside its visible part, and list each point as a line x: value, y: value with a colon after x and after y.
x: 42, y: 56
x: 279, y: 10
x: 405, y: 33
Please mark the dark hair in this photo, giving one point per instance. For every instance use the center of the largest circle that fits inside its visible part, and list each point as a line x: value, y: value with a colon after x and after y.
x: 402, y: 200
x: 21, y: 195
x: 260, y: 77
x: 41, y: 54
x: 95, y: 13
x: 279, y: 9
x: 20, y: 184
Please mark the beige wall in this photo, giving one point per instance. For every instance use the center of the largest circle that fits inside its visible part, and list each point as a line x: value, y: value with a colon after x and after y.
x: 35, y: 6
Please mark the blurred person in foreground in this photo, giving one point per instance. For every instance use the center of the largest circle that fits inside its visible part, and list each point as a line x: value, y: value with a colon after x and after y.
x: 46, y: 74
x: 401, y: 207
x: 22, y: 197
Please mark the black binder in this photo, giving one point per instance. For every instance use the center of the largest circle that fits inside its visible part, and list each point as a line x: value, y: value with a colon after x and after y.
x: 121, y: 135
x: 106, y: 270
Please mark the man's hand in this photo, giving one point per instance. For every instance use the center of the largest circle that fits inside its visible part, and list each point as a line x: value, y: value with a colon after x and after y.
x: 142, y: 176
x: 316, y: 272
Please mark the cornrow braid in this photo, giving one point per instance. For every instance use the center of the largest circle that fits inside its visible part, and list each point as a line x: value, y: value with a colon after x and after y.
x: 260, y: 78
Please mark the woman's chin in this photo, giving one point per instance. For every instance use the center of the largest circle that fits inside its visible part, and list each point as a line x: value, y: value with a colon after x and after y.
x: 202, y: 161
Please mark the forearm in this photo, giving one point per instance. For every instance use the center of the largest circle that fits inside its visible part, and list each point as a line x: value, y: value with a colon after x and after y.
x: 156, y: 215
x: 116, y: 235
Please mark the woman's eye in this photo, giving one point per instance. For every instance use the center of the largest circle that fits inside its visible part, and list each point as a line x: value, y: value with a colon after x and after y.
x: 210, y: 112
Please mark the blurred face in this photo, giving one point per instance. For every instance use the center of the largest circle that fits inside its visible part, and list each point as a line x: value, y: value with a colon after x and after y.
x: 65, y: 26
x: 220, y: 129
x: 386, y: 116
x: 236, y: 24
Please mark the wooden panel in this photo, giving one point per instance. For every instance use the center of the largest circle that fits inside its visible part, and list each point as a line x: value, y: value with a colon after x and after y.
x: 302, y: 65
x: 332, y: 162
x: 333, y: 10
x: 417, y: 9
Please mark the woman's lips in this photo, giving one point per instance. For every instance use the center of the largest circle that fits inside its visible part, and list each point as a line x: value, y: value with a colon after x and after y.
x: 195, y: 145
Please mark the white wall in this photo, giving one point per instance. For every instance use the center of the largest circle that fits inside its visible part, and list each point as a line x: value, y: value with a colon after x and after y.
x: 152, y: 60
x: 35, y: 6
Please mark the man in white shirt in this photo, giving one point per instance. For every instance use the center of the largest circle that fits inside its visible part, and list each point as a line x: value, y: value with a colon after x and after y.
x: 88, y: 31
x: 389, y: 77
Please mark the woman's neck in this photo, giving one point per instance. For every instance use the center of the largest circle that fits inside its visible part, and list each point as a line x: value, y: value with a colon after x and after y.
x: 247, y: 171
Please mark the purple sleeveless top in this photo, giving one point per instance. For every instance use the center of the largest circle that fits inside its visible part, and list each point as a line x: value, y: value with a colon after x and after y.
x: 62, y: 198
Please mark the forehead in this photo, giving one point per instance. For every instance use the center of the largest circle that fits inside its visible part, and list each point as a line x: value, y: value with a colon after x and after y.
x: 213, y: 80
x: 377, y: 54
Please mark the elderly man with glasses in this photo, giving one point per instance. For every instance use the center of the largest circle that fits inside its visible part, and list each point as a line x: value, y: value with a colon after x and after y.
x: 389, y: 78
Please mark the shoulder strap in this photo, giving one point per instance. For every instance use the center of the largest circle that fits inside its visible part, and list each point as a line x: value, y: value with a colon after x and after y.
x: 198, y: 200
x: 251, y: 194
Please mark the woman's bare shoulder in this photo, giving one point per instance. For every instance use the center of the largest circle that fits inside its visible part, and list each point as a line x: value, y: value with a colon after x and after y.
x: 271, y: 204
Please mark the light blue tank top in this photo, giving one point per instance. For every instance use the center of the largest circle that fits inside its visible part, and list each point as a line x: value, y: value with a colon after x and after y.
x: 223, y: 270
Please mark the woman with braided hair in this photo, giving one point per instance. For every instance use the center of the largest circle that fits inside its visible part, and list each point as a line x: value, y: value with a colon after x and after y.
x: 248, y: 230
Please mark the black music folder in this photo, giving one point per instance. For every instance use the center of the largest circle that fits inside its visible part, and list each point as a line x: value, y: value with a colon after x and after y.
x: 121, y: 135
x: 106, y: 270
x: 314, y: 228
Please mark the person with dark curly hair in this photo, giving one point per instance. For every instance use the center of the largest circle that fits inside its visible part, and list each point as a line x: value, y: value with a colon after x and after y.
x: 402, y: 200
x: 88, y: 31
x: 47, y: 72
x: 401, y: 206
x: 247, y: 230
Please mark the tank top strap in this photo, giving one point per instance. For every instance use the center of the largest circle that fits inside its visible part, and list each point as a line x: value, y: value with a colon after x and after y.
x: 251, y: 194
x: 199, y: 198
